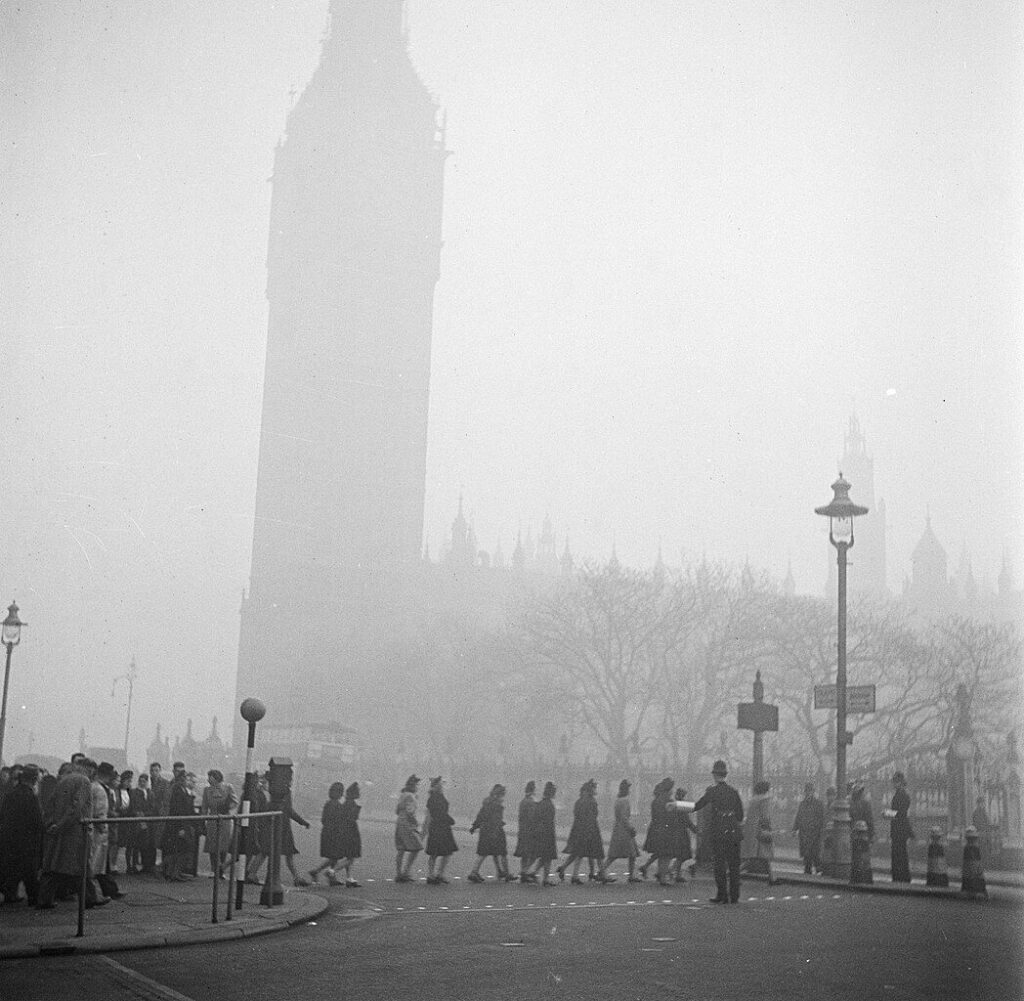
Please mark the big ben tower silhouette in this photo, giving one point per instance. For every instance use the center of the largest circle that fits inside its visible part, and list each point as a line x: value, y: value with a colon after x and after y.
x: 353, y: 259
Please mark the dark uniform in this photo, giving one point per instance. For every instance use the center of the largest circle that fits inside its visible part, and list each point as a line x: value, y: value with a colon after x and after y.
x: 725, y: 831
x: 899, y: 833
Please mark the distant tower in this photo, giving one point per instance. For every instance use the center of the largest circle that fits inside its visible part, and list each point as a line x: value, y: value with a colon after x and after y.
x: 867, y: 558
x: 463, y: 546
x: 928, y: 591
x: 353, y: 258
x: 547, y: 555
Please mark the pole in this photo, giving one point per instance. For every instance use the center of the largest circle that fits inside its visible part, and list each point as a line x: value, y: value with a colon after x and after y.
x: 841, y: 806
x: 128, y: 718
x: 244, y: 808
x: 3, y: 708
x: 758, y: 734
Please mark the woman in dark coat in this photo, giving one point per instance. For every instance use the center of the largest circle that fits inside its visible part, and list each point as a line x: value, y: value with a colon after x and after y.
x: 681, y: 826
x: 350, y: 843
x: 330, y: 835
x: 658, y: 842
x: 256, y: 836
x: 490, y: 822
x: 541, y: 841
x: 21, y: 839
x: 179, y: 836
x: 900, y: 831
x: 526, y: 807
x: 440, y: 841
x: 584, y: 841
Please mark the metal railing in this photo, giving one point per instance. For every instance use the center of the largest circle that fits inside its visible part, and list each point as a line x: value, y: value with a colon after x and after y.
x: 238, y: 822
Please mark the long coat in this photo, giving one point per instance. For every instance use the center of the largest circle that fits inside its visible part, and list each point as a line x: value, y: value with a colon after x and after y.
x: 284, y: 804
x: 21, y: 832
x: 810, y: 825
x: 622, y: 843
x: 63, y: 838
x: 680, y: 826
x: 490, y: 822
x: 178, y: 835
x: 220, y: 800
x: 440, y: 840
x: 407, y: 835
x: 527, y: 805
x: 350, y: 842
x: 757, y: 829
x: 659, y: 832
x: 584, y: 839
x: 331, y: 819
x: 541, y: 841
x: 725, y: 826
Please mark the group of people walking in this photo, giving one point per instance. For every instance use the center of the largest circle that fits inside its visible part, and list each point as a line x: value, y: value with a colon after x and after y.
x: 668, y: 841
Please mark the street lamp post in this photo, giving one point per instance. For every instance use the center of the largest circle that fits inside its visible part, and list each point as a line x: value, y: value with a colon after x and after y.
x: 252, y: 711
x: 11, y: 637
x: 841, y: 512
x: 130, y: 678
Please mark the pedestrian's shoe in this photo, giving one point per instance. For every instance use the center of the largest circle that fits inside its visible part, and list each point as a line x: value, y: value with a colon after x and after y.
x: 334, y: 881
x: 299, y: 881
x: 431, y: 881
x: 475, y: 877
x: 576, y: 881
x: 561, y: 874
x: 635, y: 879
x: 604, y: 878
x: 403, y: 878
x: 549, y: 882
x: 313, y: 876
x: 719, y: 900
x: 98, y: 902
x: 527, y: 878
x: 353, y: 884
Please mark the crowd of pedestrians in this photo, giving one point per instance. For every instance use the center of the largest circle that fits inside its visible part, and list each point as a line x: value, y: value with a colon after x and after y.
x: 43, y: 840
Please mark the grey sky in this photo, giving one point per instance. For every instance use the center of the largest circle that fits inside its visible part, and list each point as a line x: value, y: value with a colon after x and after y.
x: 682, y: 242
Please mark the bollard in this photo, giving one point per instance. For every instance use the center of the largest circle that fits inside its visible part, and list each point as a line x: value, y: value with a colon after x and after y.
x: 860, y: 854
x: 972, y: 875
x: 938, y: 875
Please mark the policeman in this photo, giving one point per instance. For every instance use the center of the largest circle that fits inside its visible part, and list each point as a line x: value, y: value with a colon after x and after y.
x: 726, y: 833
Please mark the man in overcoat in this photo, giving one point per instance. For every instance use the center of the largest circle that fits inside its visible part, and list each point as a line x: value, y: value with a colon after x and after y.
x: 726, y: 833
x: 21, y: 839
x: 810, y: 826
x: 64, y: 837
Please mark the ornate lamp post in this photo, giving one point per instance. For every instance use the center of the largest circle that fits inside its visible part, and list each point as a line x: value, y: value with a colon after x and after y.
x: 11, y: 637
x: 841, y: 512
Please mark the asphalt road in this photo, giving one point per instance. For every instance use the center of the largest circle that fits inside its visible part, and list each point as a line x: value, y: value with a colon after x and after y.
x: 617, y: 942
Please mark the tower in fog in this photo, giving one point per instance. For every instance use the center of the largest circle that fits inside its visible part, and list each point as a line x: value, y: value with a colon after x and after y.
x: 867, y: 558
x: 353, y: 259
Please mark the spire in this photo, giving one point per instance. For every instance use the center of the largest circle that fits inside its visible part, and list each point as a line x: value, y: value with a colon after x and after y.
x: 566, y: 561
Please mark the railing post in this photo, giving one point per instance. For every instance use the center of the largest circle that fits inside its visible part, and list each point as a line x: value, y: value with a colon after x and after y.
x: 85, y: 825
x: 215, y: 864
x: 233, y: 819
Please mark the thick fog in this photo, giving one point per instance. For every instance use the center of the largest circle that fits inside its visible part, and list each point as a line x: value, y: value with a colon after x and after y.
x: 683, y: 243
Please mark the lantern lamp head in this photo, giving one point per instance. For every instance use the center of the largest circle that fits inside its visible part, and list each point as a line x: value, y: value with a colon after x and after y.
x: 12, y: 626
x: 840, y: 512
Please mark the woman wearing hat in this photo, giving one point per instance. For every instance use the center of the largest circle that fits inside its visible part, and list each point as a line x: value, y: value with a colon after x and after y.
x: 622, y: 843
x: 542, y: 837
x: 584, y: 841
x: 522, y: 850
x: 440, y: 841
x: 407, y: 836
x: 350, y: 843
x: 490, y: 822
x: 658, y: 842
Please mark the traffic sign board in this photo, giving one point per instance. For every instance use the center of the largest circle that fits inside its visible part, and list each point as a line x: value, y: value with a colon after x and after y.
x: 859, y: 698
x: 757, y: 716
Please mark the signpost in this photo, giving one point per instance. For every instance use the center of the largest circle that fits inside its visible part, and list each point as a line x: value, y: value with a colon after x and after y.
x: 761, y: 718
x: 859, y: 698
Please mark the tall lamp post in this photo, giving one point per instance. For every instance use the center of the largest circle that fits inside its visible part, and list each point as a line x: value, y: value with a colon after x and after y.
x: 130, y: 678
x: 252, y: 711
x: 841, y: 512
x: 11, y: 633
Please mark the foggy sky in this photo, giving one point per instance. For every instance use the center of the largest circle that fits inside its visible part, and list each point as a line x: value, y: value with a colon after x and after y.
x: 683, y: 243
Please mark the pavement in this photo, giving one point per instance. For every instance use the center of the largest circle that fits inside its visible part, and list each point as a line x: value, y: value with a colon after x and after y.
x: 153, y: 913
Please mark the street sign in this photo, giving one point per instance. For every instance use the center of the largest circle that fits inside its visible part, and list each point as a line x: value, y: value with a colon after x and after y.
x: 859, y: 698
x: 757, y: 716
